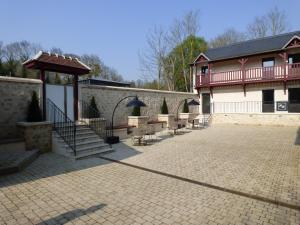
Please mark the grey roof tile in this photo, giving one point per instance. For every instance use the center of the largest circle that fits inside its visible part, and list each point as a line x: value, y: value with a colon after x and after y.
x: 250, y: 47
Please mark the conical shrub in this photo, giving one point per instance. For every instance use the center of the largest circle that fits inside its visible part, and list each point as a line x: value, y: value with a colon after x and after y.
x: 164, y: 108
x: 34, y: 113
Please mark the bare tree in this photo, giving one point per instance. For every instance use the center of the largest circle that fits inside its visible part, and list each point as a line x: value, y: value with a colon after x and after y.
x: 230, y: 36
x: 259, y: 28
x: 151, y: 61
x: 273, y: 23
x: 277, y: 21
x: 180, y: 31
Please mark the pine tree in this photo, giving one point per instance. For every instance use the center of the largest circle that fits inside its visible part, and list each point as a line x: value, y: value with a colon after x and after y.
x: 34, y: 113
x: 93, y: 109
x: 164, y: 108
x: 185, y: 107
x: 136, y: 111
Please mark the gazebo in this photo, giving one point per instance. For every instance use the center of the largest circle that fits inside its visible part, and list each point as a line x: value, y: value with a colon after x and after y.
x: 44, y: 61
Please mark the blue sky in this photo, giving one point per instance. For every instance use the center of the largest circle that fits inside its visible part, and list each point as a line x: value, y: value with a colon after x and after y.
x: 116, y: 30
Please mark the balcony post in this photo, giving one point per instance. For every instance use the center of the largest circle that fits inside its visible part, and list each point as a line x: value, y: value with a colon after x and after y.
x: 209, y: 66
x: 243, y: 62
x: 285, y: 70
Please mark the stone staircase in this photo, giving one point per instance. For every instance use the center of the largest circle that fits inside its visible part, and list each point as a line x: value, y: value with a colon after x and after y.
x: 88, y: 143
x: 14, y: 157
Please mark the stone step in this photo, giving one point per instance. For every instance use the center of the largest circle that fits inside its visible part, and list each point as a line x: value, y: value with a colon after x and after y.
x: 12, y: 144
x: 87, y: 142
x: 16, y: 161
x: 88, y: 147
x: 92, y: 153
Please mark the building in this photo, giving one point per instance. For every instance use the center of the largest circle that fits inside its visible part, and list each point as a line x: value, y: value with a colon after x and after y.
x: 104, y: 82
x: 260, y: 76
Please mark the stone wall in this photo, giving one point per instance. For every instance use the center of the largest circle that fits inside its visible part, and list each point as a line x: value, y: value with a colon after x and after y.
x: 37, y: 135
x: 107, y: 97
x: 257, y: 119
x: 15, y: 94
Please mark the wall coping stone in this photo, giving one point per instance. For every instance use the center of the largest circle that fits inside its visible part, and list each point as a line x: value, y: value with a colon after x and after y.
x: 138, y: 117
x: 19, y: 80
x: 136, y: 89
x: 32, y: 124
x: 165, y: 115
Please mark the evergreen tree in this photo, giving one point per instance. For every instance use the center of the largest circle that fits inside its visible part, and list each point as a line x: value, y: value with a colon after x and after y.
x: 136, y: 111
x: 185, y: 107
x: 93, y: 109
x: 164, y: 108
x: 34, y: 113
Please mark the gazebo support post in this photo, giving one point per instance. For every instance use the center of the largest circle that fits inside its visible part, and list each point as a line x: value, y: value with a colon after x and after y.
x: 75, y: 97
x: 42, y: 77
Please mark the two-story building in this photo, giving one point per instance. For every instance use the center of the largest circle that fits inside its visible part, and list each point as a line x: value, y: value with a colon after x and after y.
x: 255, y: 81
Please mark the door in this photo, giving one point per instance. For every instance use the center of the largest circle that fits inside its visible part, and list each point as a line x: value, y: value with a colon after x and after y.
x: 294, y: 100
x: 268, y: 68
x: 206, y: 103
x: 268, y: 100
x: 294, y: 67
x: 204, y: 75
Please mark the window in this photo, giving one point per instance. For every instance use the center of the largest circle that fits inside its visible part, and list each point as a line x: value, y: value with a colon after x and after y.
x: 267, y: 62
x: 295, y: 58
x: 204, y: 69
x: 268, y: 68
x: 294, y: 100
x: 268, y: 100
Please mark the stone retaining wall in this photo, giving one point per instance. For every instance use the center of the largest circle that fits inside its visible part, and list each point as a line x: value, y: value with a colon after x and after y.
x: 37, y: 135
x: 15, y: 94
x: 257, y: 119
x: 107, y: 97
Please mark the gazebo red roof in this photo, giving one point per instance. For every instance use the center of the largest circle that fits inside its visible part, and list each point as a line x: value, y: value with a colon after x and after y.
x: 57, y: 63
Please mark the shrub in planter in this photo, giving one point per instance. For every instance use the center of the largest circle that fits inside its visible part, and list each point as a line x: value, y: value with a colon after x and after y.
x: 185, y: 107
x: 136, y: 111
x: 93, y: 111
x: 164, y: 108
x: 34, y: 113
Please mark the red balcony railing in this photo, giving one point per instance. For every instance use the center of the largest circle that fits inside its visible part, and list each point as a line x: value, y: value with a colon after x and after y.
x: 253, y: 75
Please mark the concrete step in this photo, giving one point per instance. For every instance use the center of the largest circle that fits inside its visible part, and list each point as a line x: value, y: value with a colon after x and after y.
x: 87, y: 142
x: 97, y: 145
x: 92, y: 153
x: 12, y: 162
x: 12, y: 144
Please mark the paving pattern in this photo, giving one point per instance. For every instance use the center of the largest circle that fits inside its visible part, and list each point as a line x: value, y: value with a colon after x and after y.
x: 56, y: 190
x: 262, y: 161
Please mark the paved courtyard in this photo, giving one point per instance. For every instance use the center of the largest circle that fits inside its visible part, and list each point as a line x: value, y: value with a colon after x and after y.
x: 262, y: 161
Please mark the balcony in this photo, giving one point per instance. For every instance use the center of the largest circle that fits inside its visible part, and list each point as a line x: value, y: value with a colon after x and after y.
x: 283, y: 72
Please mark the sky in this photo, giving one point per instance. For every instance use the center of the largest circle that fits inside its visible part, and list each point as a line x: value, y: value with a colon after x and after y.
x: 116, y: 30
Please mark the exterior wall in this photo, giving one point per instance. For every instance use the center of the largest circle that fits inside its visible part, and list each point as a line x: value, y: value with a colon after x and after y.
x: 236, y: 102
x: 107, y: 98
x: 15, y: 95
x: 257, y: 119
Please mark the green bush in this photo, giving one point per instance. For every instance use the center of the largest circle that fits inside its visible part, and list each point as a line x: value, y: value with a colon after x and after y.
x: 34, y: 113
x: 136, y: 111
x: 185, y: 107
x: 164, y: 108
x: 93, y: 109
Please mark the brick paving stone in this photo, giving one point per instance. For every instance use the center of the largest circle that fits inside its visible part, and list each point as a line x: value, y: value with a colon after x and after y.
x: 57, y: 190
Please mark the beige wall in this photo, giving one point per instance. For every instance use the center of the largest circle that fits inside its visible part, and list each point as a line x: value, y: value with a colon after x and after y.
x: 15, y: 94
x: 235, y: 94
x: 107, y: 97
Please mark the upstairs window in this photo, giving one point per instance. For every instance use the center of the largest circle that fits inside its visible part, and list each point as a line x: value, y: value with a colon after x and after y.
x: 204, y: 69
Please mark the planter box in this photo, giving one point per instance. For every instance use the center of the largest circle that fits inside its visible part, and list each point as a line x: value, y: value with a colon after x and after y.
x: 37, y: 135
x: 168, y: 118
x: 188, y: 116
x: 138, y: 121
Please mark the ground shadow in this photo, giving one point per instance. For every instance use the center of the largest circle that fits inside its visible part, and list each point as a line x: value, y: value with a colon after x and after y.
x: 297, y: 140
x: 72, y: 215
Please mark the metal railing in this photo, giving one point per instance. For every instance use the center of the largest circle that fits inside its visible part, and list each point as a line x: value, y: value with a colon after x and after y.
x: 62, y: 124
x: 260, y: 74
x: 92, y: 118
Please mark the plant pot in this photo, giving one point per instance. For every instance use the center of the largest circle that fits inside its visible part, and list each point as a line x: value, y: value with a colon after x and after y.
x: 169, y: 118
x: 138, y: 121
x: 112, y: 140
